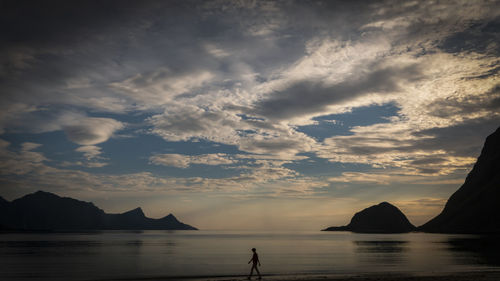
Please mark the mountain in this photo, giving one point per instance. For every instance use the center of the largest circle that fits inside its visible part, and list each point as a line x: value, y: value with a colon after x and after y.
x: 3, y: 212
x: 44, y: 210
x: 47, y: 211
x: 381, y: 218
x: 135, y: 219
x: 475, y: 206
x: 3, y: 202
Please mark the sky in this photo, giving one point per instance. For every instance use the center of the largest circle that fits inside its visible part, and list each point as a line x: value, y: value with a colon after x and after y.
x: 281, y: 115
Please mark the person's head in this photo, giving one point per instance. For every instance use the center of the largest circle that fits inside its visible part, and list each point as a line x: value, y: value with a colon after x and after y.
x: 253, y: 250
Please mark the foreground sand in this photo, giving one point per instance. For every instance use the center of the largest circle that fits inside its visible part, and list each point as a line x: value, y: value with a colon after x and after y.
x: 469, y: 276
x: 457, y: 276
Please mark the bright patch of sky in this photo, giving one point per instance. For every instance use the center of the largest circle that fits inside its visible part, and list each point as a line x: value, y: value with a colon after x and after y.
x: 201, y: 108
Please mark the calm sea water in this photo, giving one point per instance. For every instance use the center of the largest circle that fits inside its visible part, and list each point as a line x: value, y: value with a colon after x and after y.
x: 118, y: 254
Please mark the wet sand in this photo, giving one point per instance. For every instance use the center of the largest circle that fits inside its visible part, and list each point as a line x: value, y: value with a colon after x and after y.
x: 456, y: 276
x: 469, y: 276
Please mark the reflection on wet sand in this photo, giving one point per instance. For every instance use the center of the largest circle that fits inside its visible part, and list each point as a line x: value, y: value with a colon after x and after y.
x: 483, y: 249
x: 381, y: 253
x: 381, y: 246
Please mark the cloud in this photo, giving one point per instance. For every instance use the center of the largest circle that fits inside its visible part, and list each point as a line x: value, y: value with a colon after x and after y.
x: 311, y: 98
x: 255, y: 73
x: 161, y: 86
x: 216, y: 51
x: 10, y: 113
x: 89, y: 151
x: 391, y: 177
x: 91, y: 130
x: 20, y: 163
x: 184, y: 122
x: 267, y: 177
x: 282, y: 146
x: 184, y: 161
x: 386, y: 145
x: 27, y: 146
x: 433, y: 151
x: 78, y: 127
x: 452, y: 107
x: 481, y: 37
x: 464, y: 139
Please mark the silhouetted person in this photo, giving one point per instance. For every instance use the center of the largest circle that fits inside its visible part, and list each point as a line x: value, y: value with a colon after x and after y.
x: 255, y: 261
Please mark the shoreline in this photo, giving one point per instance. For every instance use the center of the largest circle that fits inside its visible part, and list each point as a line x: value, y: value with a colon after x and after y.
x: 484, y: 275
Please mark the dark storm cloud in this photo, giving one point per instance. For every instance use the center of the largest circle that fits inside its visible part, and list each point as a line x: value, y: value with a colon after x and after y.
x: 306, y: 97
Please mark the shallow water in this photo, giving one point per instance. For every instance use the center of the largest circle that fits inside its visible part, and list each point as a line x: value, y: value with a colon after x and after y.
x: 138, y: 254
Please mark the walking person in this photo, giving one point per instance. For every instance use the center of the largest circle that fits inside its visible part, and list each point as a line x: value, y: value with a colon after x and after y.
x: 255, y: 261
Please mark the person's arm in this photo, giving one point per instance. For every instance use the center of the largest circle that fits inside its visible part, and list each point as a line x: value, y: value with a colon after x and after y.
x: 258, y: 260
x: 250, y: 260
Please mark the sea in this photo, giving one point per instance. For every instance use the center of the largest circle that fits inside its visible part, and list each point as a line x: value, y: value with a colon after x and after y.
x: 112, y: 255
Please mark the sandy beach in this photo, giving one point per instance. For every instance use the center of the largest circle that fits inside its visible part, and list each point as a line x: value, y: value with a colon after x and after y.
x: 468, y: 276
x: 456, y: 276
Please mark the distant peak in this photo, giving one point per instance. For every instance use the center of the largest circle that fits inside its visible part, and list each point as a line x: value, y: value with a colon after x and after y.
x: 137, y: 212
x: 385, y: 204
x: 43, y: 194
x: 170, y: 217
x: 40, y: 192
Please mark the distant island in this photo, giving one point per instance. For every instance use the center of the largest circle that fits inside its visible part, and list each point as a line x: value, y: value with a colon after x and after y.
x: 47, y: 211
x: 473, y: 209
x: 381, y: 218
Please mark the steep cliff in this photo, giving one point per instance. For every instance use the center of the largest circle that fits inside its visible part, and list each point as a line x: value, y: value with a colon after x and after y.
x: 475, y: 206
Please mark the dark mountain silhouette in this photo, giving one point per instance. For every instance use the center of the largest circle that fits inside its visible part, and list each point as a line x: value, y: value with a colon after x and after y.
x: 135, y: 219
x: 47, y: 211
x: 3, y: 202
x: 381, y: 218
x: 3, y: 212
x: 475, y: 206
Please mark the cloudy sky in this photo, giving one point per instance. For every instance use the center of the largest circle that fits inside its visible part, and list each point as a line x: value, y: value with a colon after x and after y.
x: 247, y: 114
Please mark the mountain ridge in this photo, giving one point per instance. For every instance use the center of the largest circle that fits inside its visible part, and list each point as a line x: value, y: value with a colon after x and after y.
x: 47, y: 211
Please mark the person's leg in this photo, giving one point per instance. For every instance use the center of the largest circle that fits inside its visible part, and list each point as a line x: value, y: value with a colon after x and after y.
x: 251, y: 272
x: 258, y: 272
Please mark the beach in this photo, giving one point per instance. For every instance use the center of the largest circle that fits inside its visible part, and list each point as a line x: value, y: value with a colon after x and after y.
x: 465, y: 276
x: 455, y: 276
x: 224, y: 256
